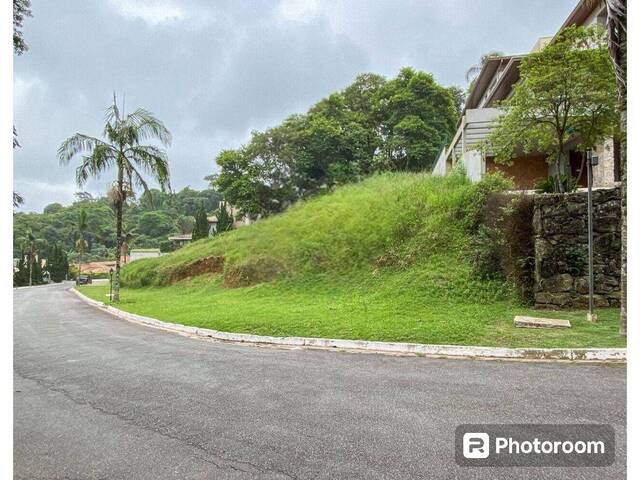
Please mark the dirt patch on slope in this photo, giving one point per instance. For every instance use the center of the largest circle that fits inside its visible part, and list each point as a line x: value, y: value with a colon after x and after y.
x: 254, y: 271
x: 201, y: 266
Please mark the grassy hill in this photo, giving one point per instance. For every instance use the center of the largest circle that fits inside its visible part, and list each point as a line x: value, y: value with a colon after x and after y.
x: 385, y: 259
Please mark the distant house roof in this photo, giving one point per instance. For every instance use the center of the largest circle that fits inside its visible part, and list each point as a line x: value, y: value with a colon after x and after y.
x: 212, y: 219
x: 182, y: 237
x: 145, y: 250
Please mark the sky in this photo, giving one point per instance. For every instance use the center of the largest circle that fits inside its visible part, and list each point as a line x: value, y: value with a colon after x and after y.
x: 213, y: 71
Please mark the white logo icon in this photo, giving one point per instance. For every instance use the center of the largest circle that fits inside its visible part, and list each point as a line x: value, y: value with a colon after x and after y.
x: 475, y: 445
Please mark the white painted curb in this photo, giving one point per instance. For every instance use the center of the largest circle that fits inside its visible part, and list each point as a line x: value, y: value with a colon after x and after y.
x: 575, y: 354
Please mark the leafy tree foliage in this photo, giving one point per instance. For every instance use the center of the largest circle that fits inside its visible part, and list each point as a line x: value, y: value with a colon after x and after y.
x: 201, y: 228
x: 21, y: 10
x: 372, y: 125
x: 225, y: 218
x: 58, y: 264
x: 60, y: 225
x: 53, y: 208
x: 21, y: 276
x: 567, y: 92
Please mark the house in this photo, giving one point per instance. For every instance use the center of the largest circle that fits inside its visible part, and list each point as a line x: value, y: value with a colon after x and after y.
x: 495, y: 83
x: 138, y: 253
x: 213, y: 224
x: 180, y: 240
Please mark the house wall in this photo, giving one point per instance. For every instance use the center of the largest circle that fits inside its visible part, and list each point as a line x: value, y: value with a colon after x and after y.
x: 440, y: 168
x: 525, y: 171
x: 473, y: 165
x: 137, y: 255
x: 604, y: 172
x: 561, y: 253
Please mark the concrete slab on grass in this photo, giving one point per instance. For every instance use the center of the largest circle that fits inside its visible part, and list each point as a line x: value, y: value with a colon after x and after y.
x: 535, y: 322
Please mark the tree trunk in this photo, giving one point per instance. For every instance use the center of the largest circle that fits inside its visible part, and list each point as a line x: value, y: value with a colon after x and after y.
x: 623, y: 223
x: 618, y: 52
x: 31, y: 267
x: 119, y: 206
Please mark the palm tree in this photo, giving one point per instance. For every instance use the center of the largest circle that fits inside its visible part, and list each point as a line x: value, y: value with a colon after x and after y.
x: 81, y: 242
x: 29, y: 243
x: 121, y: 149
x: 474, y: 70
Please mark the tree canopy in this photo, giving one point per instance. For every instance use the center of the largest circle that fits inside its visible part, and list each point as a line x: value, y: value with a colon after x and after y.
x: 567, y: 92
x: 58, y: 224
x: 373, y: 125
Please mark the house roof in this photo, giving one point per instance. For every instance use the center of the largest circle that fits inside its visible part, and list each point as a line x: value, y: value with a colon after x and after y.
x: 487, y: 73
x: 212, y: 219
x: 578, y: 16
x: 580, y: 13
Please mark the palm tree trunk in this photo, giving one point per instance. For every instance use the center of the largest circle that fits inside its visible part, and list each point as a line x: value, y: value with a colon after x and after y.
x: 31, y: 267
x: 119, y: 206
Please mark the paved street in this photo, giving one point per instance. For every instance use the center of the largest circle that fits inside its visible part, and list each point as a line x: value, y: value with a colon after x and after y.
x: 99, y: 398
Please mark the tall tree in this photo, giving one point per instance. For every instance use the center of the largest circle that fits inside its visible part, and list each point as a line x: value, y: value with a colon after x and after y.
x: 567, y: 92
x: 58, y: 264
x: 122, y: 149
x: 417, y: 117
x: 201, y: 228
x: 21, y: 10
x: 81, y: 242
x: 32, y: 249
x: 225, y: 218
x: 185, y: 224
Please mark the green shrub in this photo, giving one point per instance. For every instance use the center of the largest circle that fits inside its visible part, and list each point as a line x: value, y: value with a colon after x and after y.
x: 503, y: 247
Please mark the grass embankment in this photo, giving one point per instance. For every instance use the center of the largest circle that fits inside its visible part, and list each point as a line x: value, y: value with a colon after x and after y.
x: 387, y: 259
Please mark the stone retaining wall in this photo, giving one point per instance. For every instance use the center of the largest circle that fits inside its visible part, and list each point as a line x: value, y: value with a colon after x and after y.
x: 561, y: 254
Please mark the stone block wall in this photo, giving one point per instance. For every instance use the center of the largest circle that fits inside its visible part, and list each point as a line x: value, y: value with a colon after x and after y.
x: 561, y: 252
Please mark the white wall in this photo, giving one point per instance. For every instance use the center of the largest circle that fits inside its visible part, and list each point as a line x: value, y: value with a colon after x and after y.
x: 441, y: 165
x: 473, y: 164
x: 145, y: 254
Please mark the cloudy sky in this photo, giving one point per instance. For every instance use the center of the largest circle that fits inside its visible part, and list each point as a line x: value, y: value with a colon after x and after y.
x: 213, y: 70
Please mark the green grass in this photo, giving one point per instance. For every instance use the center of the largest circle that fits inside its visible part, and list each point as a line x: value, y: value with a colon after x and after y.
x: 387, y: 259
x: 371, y: 311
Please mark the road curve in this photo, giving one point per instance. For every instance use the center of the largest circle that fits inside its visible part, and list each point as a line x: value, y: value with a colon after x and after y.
x: 96, y: 397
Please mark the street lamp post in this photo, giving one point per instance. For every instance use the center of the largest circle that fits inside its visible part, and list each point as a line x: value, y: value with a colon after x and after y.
x: 592, y: 160
x: 110, y: 283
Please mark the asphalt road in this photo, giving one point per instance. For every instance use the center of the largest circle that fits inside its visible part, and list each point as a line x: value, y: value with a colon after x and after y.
x: 99, y: 398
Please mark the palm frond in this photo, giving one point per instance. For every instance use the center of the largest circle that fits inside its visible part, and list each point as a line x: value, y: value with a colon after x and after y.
x: 112, y: 113
x: 78, y: 143
x: 17, y: 199
x: 148, y: 127
x: 139, y: 180
x: 152, y: 161
x: 98, y: 161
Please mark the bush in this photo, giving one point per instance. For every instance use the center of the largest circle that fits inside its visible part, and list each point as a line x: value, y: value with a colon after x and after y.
x: 548, y: 185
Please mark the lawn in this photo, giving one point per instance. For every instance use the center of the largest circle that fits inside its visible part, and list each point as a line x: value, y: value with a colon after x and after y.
x: 389, y: 258
x: 369, y: 311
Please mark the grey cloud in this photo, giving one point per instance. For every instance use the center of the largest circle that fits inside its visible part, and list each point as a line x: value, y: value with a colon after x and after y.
x: 221, y: 69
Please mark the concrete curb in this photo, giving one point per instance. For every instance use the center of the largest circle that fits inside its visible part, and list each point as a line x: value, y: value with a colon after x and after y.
x: 454, y: 351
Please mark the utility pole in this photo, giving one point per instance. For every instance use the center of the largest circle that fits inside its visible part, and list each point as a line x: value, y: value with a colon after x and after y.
x: 591, y: 161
